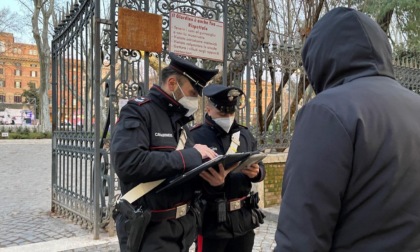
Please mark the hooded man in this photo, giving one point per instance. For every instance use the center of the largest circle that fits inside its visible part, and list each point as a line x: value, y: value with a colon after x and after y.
x: 352, y: 176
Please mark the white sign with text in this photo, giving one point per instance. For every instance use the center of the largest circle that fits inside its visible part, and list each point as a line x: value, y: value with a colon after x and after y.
x: 196, y: 37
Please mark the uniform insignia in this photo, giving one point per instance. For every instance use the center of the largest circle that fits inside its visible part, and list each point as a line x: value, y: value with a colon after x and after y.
x: 139, y: 100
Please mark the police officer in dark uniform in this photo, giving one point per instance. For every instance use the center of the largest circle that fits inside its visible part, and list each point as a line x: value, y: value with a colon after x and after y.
x: 231, y: 212
x: 143, y: 149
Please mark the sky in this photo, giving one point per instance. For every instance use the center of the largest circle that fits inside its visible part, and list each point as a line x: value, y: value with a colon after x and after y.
x: 15, y: 6
x: 12, y: 4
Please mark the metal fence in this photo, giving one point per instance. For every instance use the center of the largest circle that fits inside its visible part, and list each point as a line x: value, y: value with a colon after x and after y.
x: 92, y: 77
x: 76, y: 130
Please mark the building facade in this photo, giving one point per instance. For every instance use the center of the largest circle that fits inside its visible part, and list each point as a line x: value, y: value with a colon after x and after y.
x: 19, y: 68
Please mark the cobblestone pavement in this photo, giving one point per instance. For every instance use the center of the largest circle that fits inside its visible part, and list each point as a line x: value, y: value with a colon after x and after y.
x: 26, y: 223
x: 25, y: 189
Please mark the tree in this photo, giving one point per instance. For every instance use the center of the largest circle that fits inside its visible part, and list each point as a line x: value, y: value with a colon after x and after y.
x: 31, y: 96
x: 42, y: 13
x: 400, y: 19
x: 8, y: 21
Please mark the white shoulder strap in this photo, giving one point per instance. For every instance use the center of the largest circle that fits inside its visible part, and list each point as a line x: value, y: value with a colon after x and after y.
x: 234, y: 144
x: 143, y: 188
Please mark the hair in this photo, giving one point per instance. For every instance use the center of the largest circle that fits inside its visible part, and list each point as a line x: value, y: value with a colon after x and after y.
x: 209, y: 102
x: 169, y: 71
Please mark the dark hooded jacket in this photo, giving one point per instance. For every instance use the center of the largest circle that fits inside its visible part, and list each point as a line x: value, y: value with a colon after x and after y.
x: 352, y: 178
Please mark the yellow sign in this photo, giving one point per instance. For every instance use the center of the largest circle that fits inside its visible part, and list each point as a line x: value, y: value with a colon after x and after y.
x: 139, y: 30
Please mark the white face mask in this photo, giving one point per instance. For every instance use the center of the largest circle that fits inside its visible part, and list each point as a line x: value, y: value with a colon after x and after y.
x: 225, y: 122
x: 189, y: 102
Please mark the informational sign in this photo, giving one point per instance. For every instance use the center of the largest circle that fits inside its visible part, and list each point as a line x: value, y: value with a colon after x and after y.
x: 196, y: 37
x: 139, y: 30
x: 5, y: 134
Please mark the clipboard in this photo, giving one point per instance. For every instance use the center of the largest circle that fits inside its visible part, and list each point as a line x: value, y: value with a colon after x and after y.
x: 227, y: 161
x: 254, y: 158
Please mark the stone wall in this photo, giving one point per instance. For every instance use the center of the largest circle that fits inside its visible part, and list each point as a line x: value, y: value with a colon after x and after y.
x: 270, y: 189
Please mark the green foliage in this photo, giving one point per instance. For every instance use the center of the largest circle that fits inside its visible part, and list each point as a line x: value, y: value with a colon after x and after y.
x: 405, y: 15
x: 19, y: 129
x: 32, y: 97
x: 30, y: 135
x: 24, y: 133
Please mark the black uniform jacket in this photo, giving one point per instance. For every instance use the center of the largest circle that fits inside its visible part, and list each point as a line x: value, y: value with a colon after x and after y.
x: 236, y: 185
x: 352, y: 178
x: 143, y: 147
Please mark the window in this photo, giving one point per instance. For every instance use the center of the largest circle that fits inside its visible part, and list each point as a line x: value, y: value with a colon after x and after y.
x: 18, y: 72
x: 18, y: 84
x: 17, y: 64
x: 2, y: 98
x: 17, y: 50
x: 1, y: 70
x: 2, y: 47
x: 2, y: 83
x: 34, y: 73
x: 18, y: 99
x: 34, y: 65
x: 33, y: 52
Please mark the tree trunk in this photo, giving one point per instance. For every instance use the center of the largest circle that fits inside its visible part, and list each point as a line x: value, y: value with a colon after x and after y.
x: 385, y: 20
x: 45, y: 8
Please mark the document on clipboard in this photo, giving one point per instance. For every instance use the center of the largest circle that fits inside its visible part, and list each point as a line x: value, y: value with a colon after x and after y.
x: 227, y: 161
x: 254, y: 158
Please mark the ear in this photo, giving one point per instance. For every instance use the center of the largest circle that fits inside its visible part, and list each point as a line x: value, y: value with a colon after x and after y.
x: 172, y: 83
x: 207, y: 108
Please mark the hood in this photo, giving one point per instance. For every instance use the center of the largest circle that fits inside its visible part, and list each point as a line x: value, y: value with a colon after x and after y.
x: 344, y: 45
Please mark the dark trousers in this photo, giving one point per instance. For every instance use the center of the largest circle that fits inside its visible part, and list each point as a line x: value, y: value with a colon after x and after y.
x: 168, y: 235
x: 242, y: 243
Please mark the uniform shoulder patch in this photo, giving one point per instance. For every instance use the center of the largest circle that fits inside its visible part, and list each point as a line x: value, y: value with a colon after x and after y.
x: 196, y: 126
x: 139, y: 100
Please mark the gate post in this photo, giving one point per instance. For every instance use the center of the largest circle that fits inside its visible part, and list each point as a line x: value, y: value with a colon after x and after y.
x: 96, y: 92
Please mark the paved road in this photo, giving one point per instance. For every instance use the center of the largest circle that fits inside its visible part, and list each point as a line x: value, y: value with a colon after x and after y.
x: 26, y: 223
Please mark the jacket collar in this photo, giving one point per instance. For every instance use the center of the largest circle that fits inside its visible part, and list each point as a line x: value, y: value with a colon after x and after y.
x: 172, y: 107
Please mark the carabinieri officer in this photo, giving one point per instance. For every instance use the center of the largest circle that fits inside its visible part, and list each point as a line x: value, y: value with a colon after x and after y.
x: 231, y: 212
x: 143, y: 149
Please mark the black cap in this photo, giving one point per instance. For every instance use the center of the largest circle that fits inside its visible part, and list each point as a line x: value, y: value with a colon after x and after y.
x: 225, y: 99
x: 197, y: 76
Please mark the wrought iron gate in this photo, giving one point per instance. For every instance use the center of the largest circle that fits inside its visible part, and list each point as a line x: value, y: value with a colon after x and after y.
x: 91, y: 76
x: 76, y: 98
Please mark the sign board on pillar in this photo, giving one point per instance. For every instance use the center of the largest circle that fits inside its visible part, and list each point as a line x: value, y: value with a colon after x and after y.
x: 139, y: 30
x: 195, y: 36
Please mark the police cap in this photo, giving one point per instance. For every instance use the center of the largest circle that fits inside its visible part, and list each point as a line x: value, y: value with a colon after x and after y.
x: 225, y: 99
x: 197, y: 76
